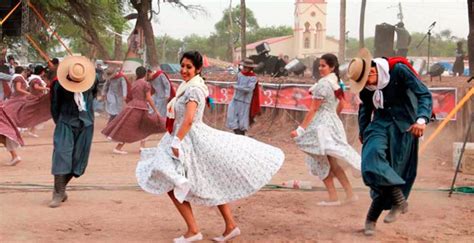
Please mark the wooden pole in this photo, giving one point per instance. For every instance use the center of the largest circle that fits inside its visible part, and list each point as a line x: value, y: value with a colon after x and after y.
x: 10, y: 13
x: 231, y: 31
x: 49, y: 27
x: 342, y: 31
x: 362, y: 23
x: 470, y: 38
x: 243, y: 36
x: 447, y: 119
x: 41, y: 52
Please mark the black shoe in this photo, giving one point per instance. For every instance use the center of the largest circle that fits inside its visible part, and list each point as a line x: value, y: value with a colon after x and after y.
x: 395, y: 212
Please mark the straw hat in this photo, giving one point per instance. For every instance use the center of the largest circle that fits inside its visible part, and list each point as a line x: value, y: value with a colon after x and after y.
x: 358, y: 70
x: 76, y: 73
x: 248, y: 63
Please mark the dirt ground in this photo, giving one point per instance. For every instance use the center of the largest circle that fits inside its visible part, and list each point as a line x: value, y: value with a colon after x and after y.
x: 105, y: 205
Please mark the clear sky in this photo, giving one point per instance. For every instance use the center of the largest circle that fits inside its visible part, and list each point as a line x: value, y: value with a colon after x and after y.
x: 418, y: 15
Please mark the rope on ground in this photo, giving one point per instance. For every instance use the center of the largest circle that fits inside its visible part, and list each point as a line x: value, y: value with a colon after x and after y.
x: 31, y: 187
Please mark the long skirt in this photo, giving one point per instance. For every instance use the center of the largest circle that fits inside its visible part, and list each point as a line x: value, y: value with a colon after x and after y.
x: 9, y: 130
x: 133, y: 124
x: 30, y: 110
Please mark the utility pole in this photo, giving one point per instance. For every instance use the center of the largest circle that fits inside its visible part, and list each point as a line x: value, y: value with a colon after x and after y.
x: 163, y: 55
x: 342, y: 31
x: 400, y: 12
x: 231, y: 31
x: 470, y: 38
x: 243, y: 36
x: 361, y: 23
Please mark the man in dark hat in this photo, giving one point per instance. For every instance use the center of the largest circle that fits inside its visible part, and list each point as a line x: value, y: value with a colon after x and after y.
x: 245, y: 103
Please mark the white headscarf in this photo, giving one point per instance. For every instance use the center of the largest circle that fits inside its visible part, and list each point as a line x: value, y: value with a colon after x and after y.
x: 34, y: 76
x: 382, y: 82
x: 80, y: 102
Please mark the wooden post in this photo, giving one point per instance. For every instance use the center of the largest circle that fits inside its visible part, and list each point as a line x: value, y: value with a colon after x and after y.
x: 243, y: 36
x: 342, y: 32
x: 470, y: 38
x: 361, y: 24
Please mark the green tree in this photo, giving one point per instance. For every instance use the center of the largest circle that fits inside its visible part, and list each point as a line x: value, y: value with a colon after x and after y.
x: 268, y: 32
x: 222, y: 27
x: 168, y: 48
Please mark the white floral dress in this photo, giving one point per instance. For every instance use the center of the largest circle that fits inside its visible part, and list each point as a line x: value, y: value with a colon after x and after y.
x: 214, y: 167
x: 325, y: 135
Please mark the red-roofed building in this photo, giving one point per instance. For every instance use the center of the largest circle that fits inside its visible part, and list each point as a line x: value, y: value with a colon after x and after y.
x: 309, y: 34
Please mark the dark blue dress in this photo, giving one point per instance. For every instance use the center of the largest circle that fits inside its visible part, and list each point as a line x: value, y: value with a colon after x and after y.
x: 73, y: 132
x: 389, y: 152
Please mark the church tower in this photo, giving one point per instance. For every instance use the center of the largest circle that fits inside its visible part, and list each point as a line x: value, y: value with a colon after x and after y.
x: 310, y: 27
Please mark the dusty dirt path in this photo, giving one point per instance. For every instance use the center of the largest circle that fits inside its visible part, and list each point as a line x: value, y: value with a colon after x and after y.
x: 112, y: 209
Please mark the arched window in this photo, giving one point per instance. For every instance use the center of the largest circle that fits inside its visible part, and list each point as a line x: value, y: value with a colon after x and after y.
x: 318, y: 37
x: 306, y: 42
x: 306, y: 27
x: 306, y: 36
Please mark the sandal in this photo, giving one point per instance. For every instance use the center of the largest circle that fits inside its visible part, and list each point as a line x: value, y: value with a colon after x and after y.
x: 329, y: 203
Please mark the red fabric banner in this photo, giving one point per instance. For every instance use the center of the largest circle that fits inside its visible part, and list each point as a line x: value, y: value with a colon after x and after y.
x: 297, y: 97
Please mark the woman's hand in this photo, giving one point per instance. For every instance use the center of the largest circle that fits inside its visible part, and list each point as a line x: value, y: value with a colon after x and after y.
x: 175, y: 145
x: 175, y: 152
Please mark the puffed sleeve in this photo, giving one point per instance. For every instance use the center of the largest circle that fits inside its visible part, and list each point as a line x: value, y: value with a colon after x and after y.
x: 194, y: 94
x: 322, y: 91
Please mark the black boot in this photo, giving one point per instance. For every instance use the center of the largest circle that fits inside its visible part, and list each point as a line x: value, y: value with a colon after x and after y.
x: 399, y: 205
x: 375, y: 210
x: 59, y: 191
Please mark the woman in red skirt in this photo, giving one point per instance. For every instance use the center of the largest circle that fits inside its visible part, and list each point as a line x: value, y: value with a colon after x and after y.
x: 34, y: 108
x: 134, y: 123
x: 9, y: 136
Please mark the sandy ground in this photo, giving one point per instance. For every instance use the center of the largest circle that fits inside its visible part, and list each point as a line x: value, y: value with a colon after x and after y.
x: 105, y: 205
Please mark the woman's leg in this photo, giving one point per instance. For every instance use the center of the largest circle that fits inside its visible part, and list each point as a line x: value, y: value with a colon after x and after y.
x: 119, y: 146
x: 341, y: 176
x: 13, y: 154
x: 329, y: 183
x: 228, y: 218
x: 187, y: 213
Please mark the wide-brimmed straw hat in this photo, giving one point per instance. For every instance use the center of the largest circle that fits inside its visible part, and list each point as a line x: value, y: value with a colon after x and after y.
x: 248, y: 63
x: 76, y: 73
x: 358, y: 70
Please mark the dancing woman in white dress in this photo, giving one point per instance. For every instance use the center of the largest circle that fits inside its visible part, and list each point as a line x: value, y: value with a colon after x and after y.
x: 322, y: 137
x: 197, y: 164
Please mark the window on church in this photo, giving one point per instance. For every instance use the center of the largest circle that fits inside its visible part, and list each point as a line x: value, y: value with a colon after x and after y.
x: 306, y: 42
x: 318, y: 37
x: 306, y: 27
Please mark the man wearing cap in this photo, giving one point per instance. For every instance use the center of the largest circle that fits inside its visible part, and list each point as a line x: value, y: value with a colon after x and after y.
x: 395, y: 108
x: 72, y: 111
x: 245, y: 103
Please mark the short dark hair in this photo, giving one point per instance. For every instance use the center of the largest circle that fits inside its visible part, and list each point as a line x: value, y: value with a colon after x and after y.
x: 39, y: 69
x: 55, y: 61
x: 10, y: 57
x: 195, y: 57
x: 19, y: 69
x: 140, y: 72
